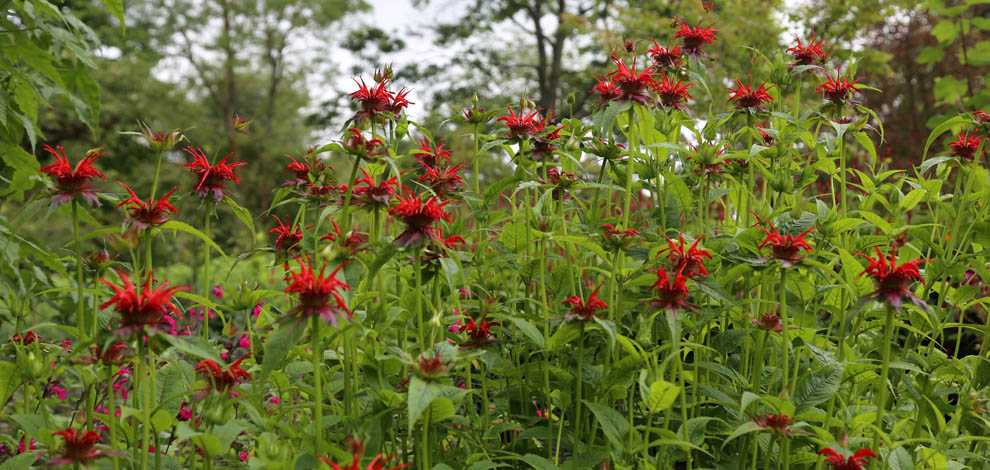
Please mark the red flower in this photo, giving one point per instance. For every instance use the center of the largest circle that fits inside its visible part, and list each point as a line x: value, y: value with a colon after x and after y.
x: 665, y: 57
x: 211, y: 177
x: 858, y: 461
x: 419, y: 218
x: 432, y: 366
x: 318, y: 295
x: 288, y: 236
x: 838, y: 89
x: 378, y: 463
x: 108, y: 356
x: 374, y: 195
x: 693, y: 39
x: 748, y: 98
x: 302, y: 170
x: 778, y: 424
x: 671, y: 295
x: 543, y: 146
x: 358, y: 146
x: 147, y: 214
x: 224, y: 380
x: 26, y: 340
x: 965, y: 146
x: 79, y: 448
x: 478, y: 334
x: 561, y: 181
x: 429, y: 155
x: 980, y: 117
x: 522, y: 125
x: 585, y: 309
x: 146, y: 309
x: 626, y: 84
x: 71, y: 181
x: 238, y: 124
x: 687, y: 262
x: 673, y: 95
x: 373, y: 100
x: 443, y: 181
x: 762, y: 128
x: 353, y: 241
x: 810, y: 54
x: 619, y: 239
x: 606, y: 89
x: 768, y: 322
x: 160, y: 141
x: 785, y: 248
x: 893, y: 281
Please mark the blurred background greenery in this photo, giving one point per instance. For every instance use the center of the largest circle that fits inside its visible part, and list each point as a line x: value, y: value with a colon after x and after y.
x: 75, y: 76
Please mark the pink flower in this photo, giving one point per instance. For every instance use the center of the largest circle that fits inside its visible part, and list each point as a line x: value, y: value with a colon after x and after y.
x: 274, y: 400
x: 245, y: 342
x: 257, y: 309
x: 218, y: 291
x: 21, y: 448
x: 243, y: 456
x: 57, y: 391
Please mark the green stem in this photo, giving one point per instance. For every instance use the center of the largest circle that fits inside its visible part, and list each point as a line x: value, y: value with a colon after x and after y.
x: 477, y: 157
x: 316, y: 344
x: 630, y: 163
x: 144, y: 390
x: 81, y: 322
x: 421, y: 326
x: 888, y: 333
x: 786, y: 345
x: 843, y: 170
x: 347, y: 201
x: 158, y: 170
x: 112, y: 417
x: 206, y: 277
x: 578, y: 425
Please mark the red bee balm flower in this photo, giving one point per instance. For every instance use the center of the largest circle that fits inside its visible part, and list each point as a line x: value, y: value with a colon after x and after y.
x: 893, y: 281
x: 673, y: 95
x: 378, y: 463
x: 768, y: 322
x: 224, y: 380
x: 810, y: 54
x: 146, y: 214
x: 443, y: 181
x: 478, y: 334
x: 301, y: 170
x: 626, y: 84
x: 585, y: 309
x: 211, y: 177
x: 71, y: 181
x: 79, y: 448
x: 778, y: 424
x: 429, y: 155
x: 838, y: 89
x: 373, y: 195
x: 785, y: 248
x: 965, y: 146
x: 522, y: 125
x: 619, y: 239
x: 288, y: 237
x: 748, y: 98
x: 318, y: 295
x: 671, y: 295
x: 665, y: 57
x: 858, y: 461
x: 418, y: 217
x: 138, y: 311
x: 689, y: 262
x: 357, y: 145
x: 373, y: 100
x: 693, y: 39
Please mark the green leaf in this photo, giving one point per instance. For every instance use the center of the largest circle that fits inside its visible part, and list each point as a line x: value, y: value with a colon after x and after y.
x: 278, y: 345
x: 539, y: 463
x: 421, y: 394
x: 941, y: 129
x: 440, y: 409
x: 243, y: 214
x: 20, y: 461
x: 116, y: 8
x: 8, y: 374
x: 900, y: 459
x: 744, y: 428
x: 662, y: 395
x: 877, y: 221
x: 565, y: 334
x: 184, y: 227
x: 912, y: 199
x: 614, y: 425
x: 527, y: 328
x: 193, y: 346
x: 816, y: 388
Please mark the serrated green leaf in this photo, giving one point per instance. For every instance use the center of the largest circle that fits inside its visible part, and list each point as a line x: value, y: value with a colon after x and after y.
x: 614, y: 425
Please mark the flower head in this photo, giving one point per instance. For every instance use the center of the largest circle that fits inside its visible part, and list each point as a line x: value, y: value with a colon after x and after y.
x: 965, y: 146
x: 837, y: 90
x: 224, y: 380
x: 239, y: 124
x: 160, y: 141
x: 352, y: 242
x: 694, y: 38
x: 585, y: 310
x: 373, y: 100
x: 762, y: 128
x: 479, y: 333
x: 808, y: 54
x: 768, y: 322
x: 837, y: 461
x: 419, y: 218
x: 140, y: 310
x: 893, y: 281
x: 288, y: 236
x: 373, y: 194
x: 317, y: 294
x: 443, y: 181
x: 71, y: 181
x: 671, y: 293
x: 777, y: 424
x: 211, y: 177
x: 619, y: 239
x: 378, y: 463
x: 688, y: 261
x: 429, y: 154
x: 748, y: 98
x: 79, y: 448
x: 665, y: 57
x: 432, y: 366
x: 523, y: 124
x: 146, y: 214
x: 626, y: 84
x: 357, y: 145
x: 785, y: 248
x: 302, y: 170
x: 671, y: 94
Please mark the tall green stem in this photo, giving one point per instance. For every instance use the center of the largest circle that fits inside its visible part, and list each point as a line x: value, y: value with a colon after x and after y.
x: 144, y: 390
x: 888, y: 333
x: 580, y: 383
x: 316, y: 344
x: 206, y: 276
x: 81, y: 322
x: 347, y: 200
x: 630, y: 164
x: 112, y: 417
x: 477, y: 156
x: 786, y: 345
